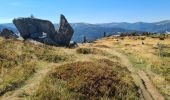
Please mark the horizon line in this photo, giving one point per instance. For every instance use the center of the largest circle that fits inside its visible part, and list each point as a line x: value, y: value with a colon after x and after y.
x: 131, y: 22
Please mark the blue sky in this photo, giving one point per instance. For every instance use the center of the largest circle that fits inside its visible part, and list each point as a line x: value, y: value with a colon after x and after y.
x: 89, y: 11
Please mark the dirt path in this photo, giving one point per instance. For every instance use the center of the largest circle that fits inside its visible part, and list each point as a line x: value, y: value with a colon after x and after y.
x: 147, y: 89
x: 30, y: 85
x: 148, y: 84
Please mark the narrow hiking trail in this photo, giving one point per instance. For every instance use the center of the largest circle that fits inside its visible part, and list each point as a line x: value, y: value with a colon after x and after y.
x: 30, y: 85
x: 152, y: 89
x: 147, y: 89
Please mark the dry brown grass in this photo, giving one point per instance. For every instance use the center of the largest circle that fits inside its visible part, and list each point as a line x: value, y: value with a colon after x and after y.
x: 102, y: 46
x: 92, y: 71
x: 146, y: 57
x: 19, y: 60
x: 15, y: 67
x: 89, y: 80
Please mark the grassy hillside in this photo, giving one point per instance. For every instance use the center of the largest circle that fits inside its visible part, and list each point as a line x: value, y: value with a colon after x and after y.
x: 102, y: 79
x: 19, y: 61
x: 152, y: 57
x: 109, y: 68
x: 37, y: 71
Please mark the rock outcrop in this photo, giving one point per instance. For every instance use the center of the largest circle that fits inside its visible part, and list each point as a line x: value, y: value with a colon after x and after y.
x: 33, y: 27
x: 65, y: 32
x: 44, y: 31
x: 8, y: 34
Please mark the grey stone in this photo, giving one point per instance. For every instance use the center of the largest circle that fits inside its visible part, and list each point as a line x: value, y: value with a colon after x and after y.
x: 33, y: 28
x: 73, y: 44
x: 8, y: 34
x: 65, y: 32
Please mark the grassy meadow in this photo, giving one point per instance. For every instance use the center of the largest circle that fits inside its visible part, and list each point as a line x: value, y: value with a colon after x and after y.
x: 108, y: 69
x: 152, y: 57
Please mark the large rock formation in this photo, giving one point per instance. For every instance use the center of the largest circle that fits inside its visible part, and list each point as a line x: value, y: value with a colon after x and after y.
x: 44, y: 31
x: 8, y: 34
x: 65, y: 32
x: 34, y: 28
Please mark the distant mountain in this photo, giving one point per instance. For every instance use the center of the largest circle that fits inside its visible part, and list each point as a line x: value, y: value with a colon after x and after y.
x: 9, y: 26
x: 159, y: 27
x: 92, y: 31
x: 95, y: 31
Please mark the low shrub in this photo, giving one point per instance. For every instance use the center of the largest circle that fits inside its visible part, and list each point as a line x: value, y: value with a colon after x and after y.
x: 89, y: 51
x: 143, y: 38
x: 161, y: 38
x: 88, y: 80
x: 51, y: 57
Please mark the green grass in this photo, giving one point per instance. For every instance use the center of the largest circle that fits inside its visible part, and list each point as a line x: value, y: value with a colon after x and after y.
x: 160, y: 36
x: 138, y: 63
x: 163, y: 66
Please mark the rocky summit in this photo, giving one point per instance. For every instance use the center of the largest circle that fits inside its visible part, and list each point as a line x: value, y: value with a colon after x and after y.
x: 8, y: 34
x: 44, y: 31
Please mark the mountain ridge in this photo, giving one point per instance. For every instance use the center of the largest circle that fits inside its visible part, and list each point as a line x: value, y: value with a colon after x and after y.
x: 95, y: 31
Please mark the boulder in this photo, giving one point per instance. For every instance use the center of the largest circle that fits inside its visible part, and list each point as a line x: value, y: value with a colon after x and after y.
x: 65, y: 32
x: 8, y: 34
x: 33, y: 27
x: 73, y: 44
